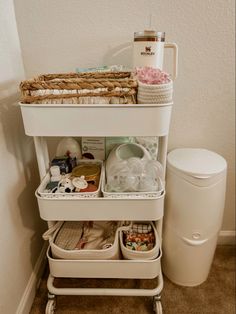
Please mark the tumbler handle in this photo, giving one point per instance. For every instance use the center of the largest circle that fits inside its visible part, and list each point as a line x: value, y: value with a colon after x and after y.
x: 175, y: 58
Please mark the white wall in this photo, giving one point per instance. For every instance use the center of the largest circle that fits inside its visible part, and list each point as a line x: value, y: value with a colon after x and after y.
x: 20, y: 226
x: 59, y: 35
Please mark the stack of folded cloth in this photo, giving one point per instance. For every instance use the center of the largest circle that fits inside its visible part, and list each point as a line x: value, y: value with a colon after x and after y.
x: 90, y: 235
x: 140, y: 237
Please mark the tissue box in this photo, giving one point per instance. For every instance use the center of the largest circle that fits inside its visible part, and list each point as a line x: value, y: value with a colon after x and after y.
x: 93, y: 148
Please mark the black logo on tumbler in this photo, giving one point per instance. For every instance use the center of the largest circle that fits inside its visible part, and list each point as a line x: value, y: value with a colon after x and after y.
x: 148, y: 51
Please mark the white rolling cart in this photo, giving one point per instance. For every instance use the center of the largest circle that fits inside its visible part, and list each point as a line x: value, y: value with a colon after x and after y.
x: 43, y: 120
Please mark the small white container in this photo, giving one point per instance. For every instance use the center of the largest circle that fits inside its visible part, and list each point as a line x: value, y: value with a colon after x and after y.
x: 140, y: 255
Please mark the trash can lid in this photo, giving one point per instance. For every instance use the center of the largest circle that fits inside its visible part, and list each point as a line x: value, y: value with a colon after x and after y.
x: 196, y: 162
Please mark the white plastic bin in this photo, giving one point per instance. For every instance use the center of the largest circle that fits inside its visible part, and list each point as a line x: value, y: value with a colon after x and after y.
x: 195, y: 196
x: 140, y: 255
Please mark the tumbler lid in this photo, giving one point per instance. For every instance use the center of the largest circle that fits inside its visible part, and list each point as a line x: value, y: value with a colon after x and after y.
x: 149, y: 35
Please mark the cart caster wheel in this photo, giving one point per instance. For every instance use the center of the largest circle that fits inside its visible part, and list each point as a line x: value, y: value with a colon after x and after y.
x: 157, y: 307
x: 50, y: 307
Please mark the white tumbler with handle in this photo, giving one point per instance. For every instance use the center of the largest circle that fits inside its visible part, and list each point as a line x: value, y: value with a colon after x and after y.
x: 148, y: 50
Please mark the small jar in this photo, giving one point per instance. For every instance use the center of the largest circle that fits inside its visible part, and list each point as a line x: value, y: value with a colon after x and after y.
x: 148, y: 49
x: 91, y: 173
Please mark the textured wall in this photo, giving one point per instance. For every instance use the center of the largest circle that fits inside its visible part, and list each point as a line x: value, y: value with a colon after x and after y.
x: 59, y: 35
x: 20, y: 225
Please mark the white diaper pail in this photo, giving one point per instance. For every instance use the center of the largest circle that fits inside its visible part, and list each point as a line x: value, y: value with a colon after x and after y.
x: 195, y: 196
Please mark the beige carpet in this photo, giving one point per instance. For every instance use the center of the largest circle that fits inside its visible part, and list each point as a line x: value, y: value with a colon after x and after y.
x: 215, y: 296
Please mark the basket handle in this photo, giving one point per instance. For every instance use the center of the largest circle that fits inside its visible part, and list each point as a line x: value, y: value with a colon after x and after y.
x: 123, y: 228
x: 48, y: 234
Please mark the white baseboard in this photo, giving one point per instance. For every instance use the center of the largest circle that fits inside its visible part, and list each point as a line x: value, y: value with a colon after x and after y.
x: 31, y: 288
x: 227, y: 237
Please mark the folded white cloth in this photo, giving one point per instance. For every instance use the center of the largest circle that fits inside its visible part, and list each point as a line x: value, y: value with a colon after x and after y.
x: 69, y: 235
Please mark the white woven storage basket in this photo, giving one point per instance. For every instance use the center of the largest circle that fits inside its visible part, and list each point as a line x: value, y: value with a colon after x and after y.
x: 112, y: 252
x: 155, y: 94
x: 139, y: 255
x: 73, y: 195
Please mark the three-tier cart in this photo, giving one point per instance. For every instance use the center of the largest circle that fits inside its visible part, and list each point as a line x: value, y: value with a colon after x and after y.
x: 57, y: 120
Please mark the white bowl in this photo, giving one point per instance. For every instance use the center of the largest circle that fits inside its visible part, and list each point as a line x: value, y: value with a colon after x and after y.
x: 124, y: 152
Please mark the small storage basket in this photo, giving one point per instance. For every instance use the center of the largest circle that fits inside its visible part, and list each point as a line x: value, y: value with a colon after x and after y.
x: 113, y: 252
x: 131, y: 195
x: 80, y: 88
x: 73, y: 195
x: 155, y: 94
x: 140, y: 255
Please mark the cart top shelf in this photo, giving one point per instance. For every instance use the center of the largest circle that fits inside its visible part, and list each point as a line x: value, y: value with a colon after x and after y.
x: 96, y: 119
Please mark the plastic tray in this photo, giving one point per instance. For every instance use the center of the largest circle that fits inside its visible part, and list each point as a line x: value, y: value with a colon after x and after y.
x: 131, y: 195
x: 76, y: 195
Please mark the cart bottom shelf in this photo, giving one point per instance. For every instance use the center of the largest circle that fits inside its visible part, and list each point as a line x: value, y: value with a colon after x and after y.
x: 129, y: 269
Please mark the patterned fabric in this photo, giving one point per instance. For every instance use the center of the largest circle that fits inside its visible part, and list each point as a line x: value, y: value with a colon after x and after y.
x: 140, y: 238
x: 142, y: 228
x: 150, y: 143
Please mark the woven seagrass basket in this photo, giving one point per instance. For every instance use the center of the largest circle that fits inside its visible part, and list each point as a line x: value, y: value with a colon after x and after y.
x: 80, y: 88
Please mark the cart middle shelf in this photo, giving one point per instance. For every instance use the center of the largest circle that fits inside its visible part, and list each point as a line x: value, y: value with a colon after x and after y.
x: 100, y: 208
